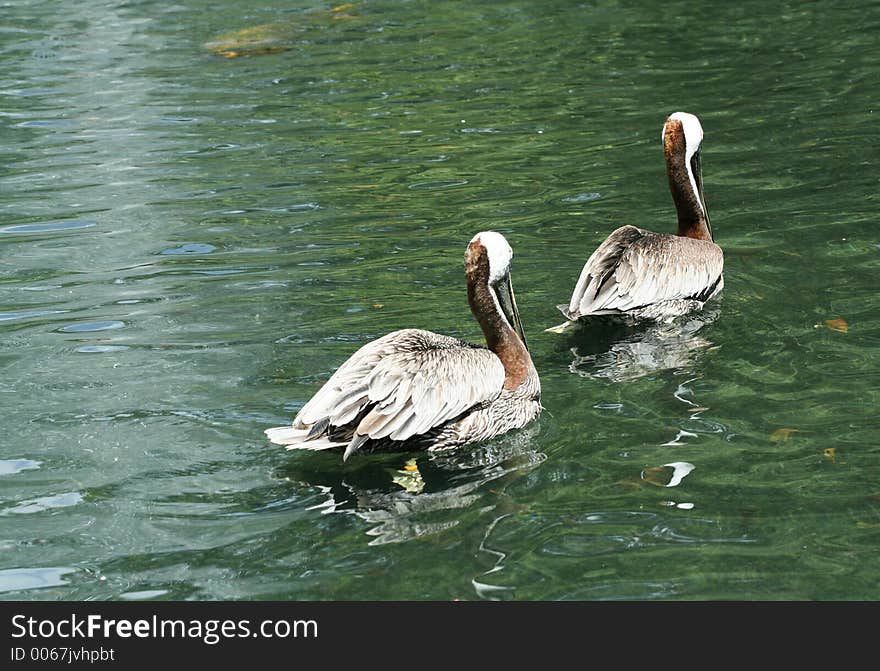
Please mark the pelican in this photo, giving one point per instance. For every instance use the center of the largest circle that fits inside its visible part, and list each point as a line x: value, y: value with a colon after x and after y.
x: 413, y: 389
x: 642, y: 275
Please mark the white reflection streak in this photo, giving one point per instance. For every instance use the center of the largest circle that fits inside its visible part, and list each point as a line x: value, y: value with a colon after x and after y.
x: 328, y: 506
x: 682, y: 389
x: 681, y: 434
x: 680, y: 469
x: 485, y: 590
x: 695, y: 410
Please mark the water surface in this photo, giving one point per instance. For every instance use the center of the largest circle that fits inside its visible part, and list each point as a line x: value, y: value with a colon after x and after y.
x: 194, y: 233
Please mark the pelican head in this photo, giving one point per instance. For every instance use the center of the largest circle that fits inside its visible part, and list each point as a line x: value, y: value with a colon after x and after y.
x: 487, y: 266
x: 682, y: 142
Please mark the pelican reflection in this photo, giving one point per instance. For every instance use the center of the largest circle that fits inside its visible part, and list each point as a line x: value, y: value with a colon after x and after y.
x: 619, y: 352
x: 405, y: 498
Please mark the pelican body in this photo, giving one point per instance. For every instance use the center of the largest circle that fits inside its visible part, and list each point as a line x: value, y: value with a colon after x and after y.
x: 642, y: 275
x: 414, y: 389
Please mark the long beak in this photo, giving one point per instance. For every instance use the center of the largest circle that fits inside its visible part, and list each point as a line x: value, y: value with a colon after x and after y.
x: 697, y: 169
x: 507, y: 303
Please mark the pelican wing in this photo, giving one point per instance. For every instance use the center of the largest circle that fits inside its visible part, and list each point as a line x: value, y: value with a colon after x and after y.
x: 399, y: 386
x: 634, y: 268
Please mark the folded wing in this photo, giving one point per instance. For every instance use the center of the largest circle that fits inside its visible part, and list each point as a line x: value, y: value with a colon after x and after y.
x: 634, y: 268
x: 397, y: 387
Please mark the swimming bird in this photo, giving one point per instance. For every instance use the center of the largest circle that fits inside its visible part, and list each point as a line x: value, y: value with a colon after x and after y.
x: 642, y: 275
x: 414, y: 389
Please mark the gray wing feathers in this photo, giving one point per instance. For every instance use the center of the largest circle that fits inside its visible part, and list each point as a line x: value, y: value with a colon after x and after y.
x: 341, y: 396
x: 634, y: 268
x: 415, y: 391
x: 599, y: 265
x: 403, y: 385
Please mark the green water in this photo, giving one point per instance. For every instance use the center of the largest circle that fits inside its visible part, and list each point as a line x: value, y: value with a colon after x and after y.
x: 190, y: 244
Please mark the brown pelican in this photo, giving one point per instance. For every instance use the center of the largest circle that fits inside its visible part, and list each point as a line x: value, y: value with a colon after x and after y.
x: 415, y: 389
x: 639, y: 274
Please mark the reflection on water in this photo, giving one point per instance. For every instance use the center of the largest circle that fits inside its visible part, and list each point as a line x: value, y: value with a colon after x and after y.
x: 405, y: 498
x: 20, y: 579
x: 44, y: 503
x: 667, y: 475
x: 619, y: 352
x: 484, y: 589
x: 187, y: 238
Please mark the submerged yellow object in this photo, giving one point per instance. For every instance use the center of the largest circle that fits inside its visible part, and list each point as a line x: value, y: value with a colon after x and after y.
x: 410, y: 478
x: 273, y: 38
x: 267, y: 38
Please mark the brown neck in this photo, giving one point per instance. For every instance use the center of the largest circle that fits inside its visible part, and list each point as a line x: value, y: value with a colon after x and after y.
x: 500, y: 336
x: 692, y: 219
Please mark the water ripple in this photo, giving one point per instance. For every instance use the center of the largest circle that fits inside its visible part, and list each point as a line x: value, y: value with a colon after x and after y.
x: 48, y: 227
x: 101, y: 349
x: 20, y: 579
x: 190, y: 248
x: 44, y: 503
x: 437, y: 184
x: 11, y: 466
x: 27, y: 314
x: 89, y: 327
